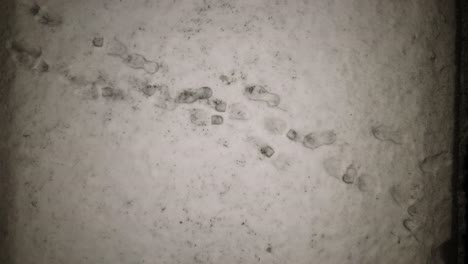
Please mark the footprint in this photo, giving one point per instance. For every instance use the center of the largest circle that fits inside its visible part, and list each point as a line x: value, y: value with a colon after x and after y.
x: 158, y: 93
x: 41, y: 66
x: 362, y: 184
x: 27, y: 56
x: 317, y: 139
x: 367, y: 184
x: 148, y: 90
x: 410, y: 224
x: 20, y: 47
x: 333, y: 167
x: 199, y: 117
x: 263, y: 147
x: 237, y: 112
x: 137, y: 61
x: 217, y: 120
x: 418, y: 208
x: 267, y: 151
x: 350, y: 174
x: 227, y: 79
x: 219, y: 105
x: 386, y: 133
x: 162, y: 97
x: 260, y: 93
x: 292, y: 135
x: 98, y: 42
x: 84, y: 88
x: 189, y: 96
x: 398, y: 195
x: 112, y: 93
x: 44, y: 16
x: 275, y: 125
x: 434, y: 163
x: 415, y: 228
x: 34, y: 9
x: 405, y: 194
x: 117, y: 48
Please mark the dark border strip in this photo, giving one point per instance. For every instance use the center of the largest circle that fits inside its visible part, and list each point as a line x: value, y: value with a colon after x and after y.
x: 460, y: 146
x: 7, y: 22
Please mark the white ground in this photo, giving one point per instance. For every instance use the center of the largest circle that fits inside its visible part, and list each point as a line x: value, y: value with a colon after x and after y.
x: 129, y: 174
